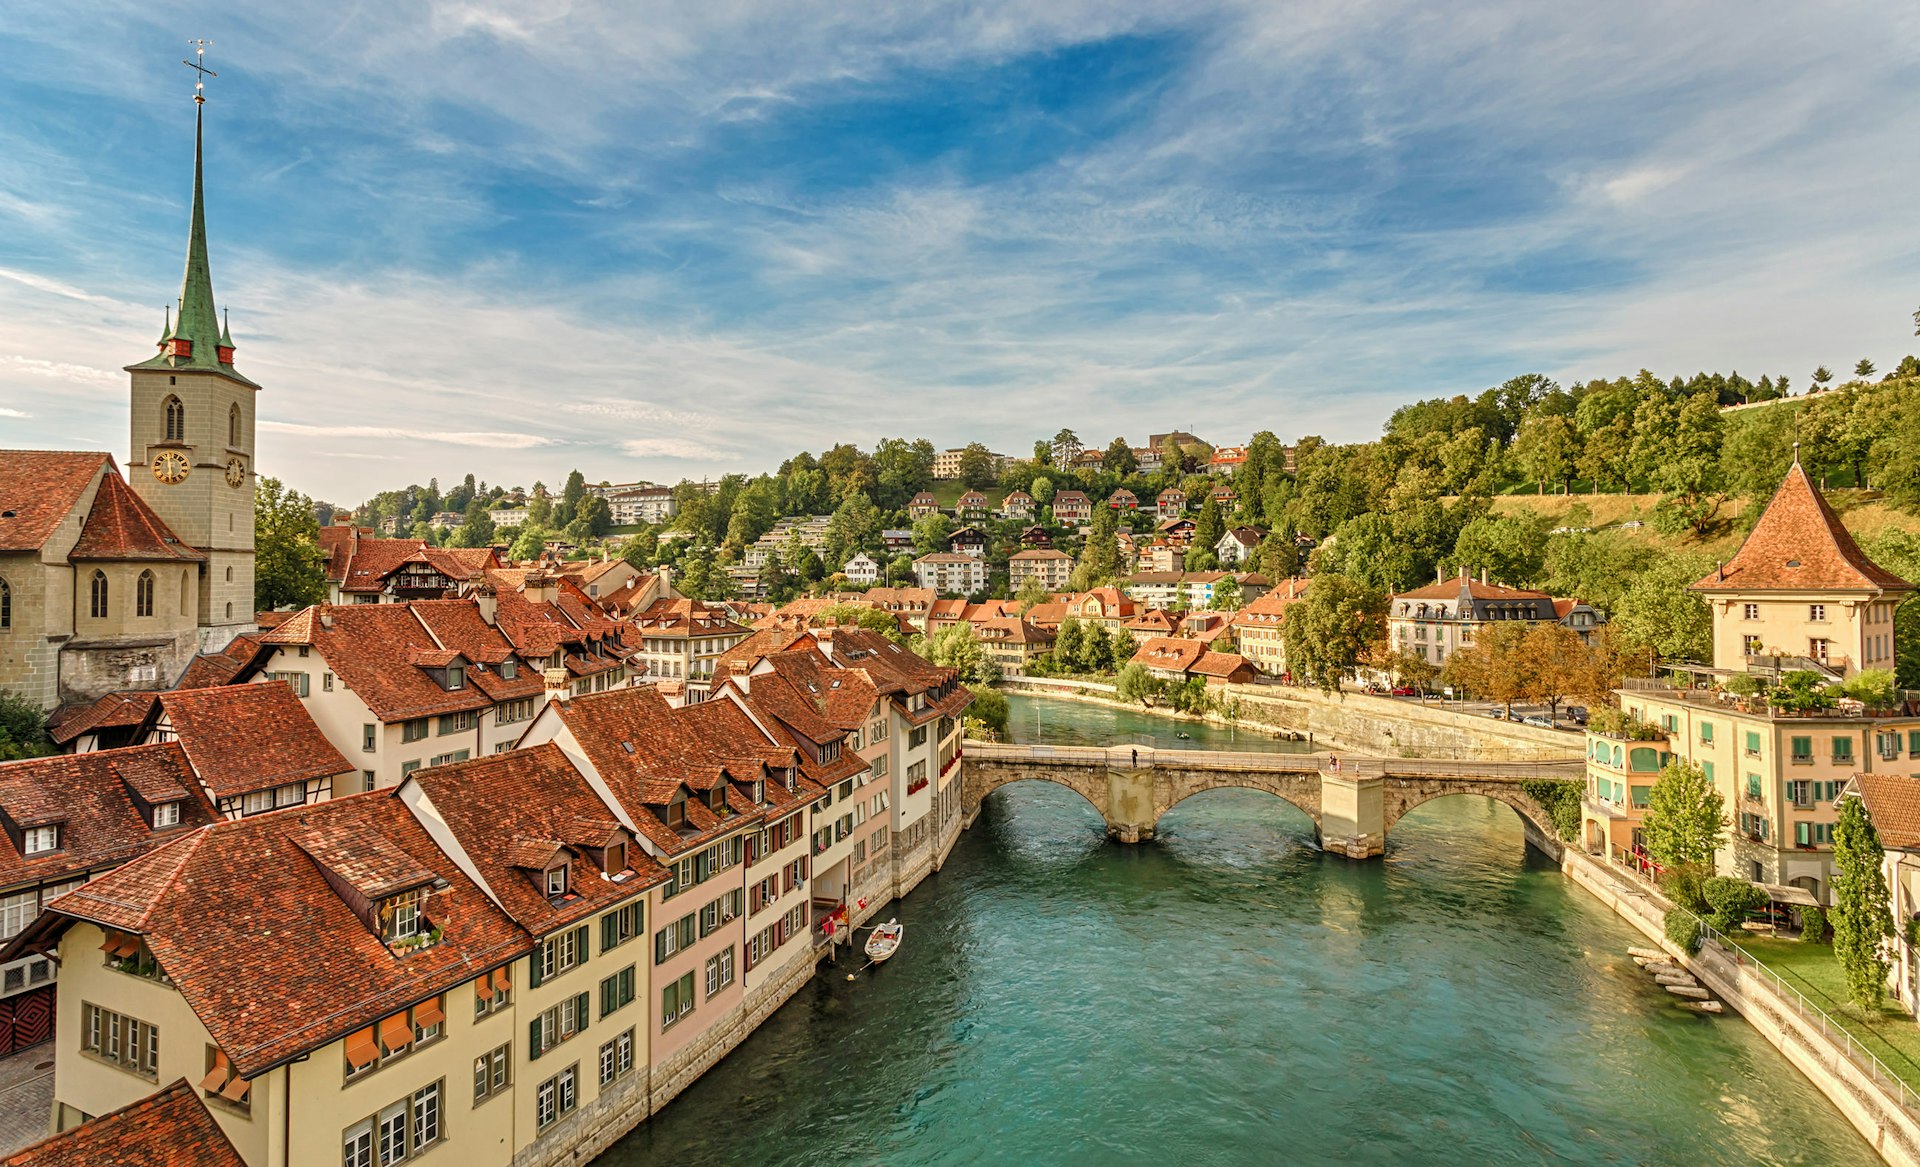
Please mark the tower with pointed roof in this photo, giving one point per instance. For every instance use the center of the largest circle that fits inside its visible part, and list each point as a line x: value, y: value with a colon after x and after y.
x: 192, y: 455
x: 1800, y: 593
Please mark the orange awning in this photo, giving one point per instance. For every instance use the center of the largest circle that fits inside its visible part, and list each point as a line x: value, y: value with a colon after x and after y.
x: 428, y: 1013
x: 216, y: 1079
x: 501, y: 981
x: 236, y: 1089
x: 361, y: 1052
x: 395, y: 1033
x: 483, y: 989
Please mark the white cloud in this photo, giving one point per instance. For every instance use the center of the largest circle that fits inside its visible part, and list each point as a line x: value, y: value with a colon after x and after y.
x: 478, y: 440
x: 5, y: 412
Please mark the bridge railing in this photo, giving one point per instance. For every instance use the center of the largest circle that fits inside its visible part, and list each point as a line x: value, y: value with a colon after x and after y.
x: 1147, y: 757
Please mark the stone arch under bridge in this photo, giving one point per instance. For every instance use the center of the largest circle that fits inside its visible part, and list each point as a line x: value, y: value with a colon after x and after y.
x: 1353, y: 806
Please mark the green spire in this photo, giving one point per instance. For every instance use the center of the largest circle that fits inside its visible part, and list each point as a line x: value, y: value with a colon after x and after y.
x: 197, y: 321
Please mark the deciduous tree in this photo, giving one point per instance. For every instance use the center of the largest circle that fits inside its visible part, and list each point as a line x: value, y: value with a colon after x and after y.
x: 1685, y: 821
x: 1861, y: 917
x: 289, y: 569
x: 1327, y: 632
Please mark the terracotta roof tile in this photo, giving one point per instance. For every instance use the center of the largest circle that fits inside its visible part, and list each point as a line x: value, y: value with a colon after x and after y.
x: 247, y: 738
x: 123, y: 710
x: 1171, y: 653
x: 1799, y: 544
x: 120, y: 525
x: 1893, y: 802
x: 40, y: 488
x: 92, y: 797
x: 271, y: 959
x: 370, y: 646
x: 169, y: 1128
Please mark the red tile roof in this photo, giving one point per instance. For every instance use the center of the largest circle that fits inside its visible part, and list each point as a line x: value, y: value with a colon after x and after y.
x: 169, y: 1128
x: 93, y: 798
x: 1172, y: 653
x: 246, y: 738
x: 225, y: 667
x: 120, y: 526
x: 1272, y: 606
x: 505, y: 808
x: 271, y: 959
x: 370, y: 646
x: 1469, y: 587
x: 38, y: 489
x: 1799, y: 544
x: 123, y: 710
x: 1893, y: 802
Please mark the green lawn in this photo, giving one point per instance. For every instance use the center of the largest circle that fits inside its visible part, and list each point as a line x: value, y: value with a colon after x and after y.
x: 1892, y: 1036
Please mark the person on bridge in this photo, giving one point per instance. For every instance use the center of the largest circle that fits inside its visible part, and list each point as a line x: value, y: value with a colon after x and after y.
x: 1136, y: 757
x: 1334, y: 762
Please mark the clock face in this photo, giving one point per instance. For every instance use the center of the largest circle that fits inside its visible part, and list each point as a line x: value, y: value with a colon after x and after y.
x: 236, y: 472
x: 171, y: 466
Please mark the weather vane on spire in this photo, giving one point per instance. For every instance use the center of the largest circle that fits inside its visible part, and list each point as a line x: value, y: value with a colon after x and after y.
x: 199, y: 65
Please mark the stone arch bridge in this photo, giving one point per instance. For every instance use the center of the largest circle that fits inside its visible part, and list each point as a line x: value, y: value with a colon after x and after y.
x: 1353, y: 801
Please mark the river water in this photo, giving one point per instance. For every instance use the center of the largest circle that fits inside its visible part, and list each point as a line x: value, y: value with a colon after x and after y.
x: 1228, y: 996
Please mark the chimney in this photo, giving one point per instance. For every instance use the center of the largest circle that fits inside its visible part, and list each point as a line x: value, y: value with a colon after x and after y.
x: 485, y: 599
x: 666, y: 583
x: 326, y: 617
x: 558, y: 686
x: 540, y: 586
x: 1483, y: 575
x: 1439, y: 574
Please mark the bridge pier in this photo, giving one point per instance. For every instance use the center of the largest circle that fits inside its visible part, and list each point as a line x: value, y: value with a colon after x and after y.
x: 1130, y: 812
x: 1353, y: 814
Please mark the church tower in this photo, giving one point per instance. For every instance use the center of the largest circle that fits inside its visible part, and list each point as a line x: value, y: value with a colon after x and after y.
x: 192, y: 450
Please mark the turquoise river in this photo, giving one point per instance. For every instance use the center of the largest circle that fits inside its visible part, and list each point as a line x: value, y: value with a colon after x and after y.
x: 1229, y: 996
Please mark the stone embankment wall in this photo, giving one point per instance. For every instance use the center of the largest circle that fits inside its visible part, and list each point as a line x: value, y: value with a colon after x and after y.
x: 1361, y: 723
x: 1880, y: 1119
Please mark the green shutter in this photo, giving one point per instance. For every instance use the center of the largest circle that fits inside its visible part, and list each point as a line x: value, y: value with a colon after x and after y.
x: 582, y: 940
x: 1801, y: 834
x: 1753, y: 743
x: 533, y: 969
x: 533, y: 1039
x: 606, y: 931
x: 606, y: 996
x: 660, y: 946
x: 580, y: 1005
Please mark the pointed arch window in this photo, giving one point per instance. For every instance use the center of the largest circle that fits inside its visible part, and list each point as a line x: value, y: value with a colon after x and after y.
x: 176, y: 419
x: 97, y: 607
x: 186, y: 592
x: 233, y: 425
x: 6, y: 604
x: 143, y: 594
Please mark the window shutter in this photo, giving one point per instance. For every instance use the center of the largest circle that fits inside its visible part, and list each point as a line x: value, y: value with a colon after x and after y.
x: 533, y: 969
x: 581, y: 936
x: 533, y: 1039
x: 581, y: 1004
x: 660, y: 946
x: 606, y: 932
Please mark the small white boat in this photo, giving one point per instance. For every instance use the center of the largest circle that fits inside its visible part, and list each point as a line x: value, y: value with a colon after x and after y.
x: 885, y: 941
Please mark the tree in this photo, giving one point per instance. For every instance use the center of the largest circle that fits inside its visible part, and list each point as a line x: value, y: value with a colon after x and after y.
x: 976, y: 466
x: 1326, y: 633
x: 570, y: 496
x: 1546, y: 449
x: 957, y: 646
x: 1135, y: 683
x: 476, y: 528
x: 931, y: 533
x: 861, y: 616
x: 289, y: 569
x: 530, y: 542
x: 1100, y: 557
x: 1657, y: 611
x: 1032, y: 591
x: 1041, y: 490
x: 1864, y: 368
x: 1861, y: 916
x: 1210, y: 527
x: 1066, y: 444
x: 989, y: 710
x: 1226, y: 595
x: 1412, y: 670
x: 1495, y: 667
x: 1119, y: 459
x: 23, y: 728
x: 1066, y: 643
x: 1821, y: 376
x: 1278, y: 556
x: 1685, y: 821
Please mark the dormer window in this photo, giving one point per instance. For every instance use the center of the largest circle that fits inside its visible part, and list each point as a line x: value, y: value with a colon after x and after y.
x: 677, y: 811
x: 830, y: 752
x: 456, y: 677
x: 759, y: 790
x: 716, y: 798
x: 556, y: 881
x: 403, y: 915
x: 616, y: 858
x: 40, y: 840
x: 166, y: 814
x: 509, y: 669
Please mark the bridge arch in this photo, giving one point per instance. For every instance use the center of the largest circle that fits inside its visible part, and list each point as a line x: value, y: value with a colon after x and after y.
x: 1401, y: 796
x: 1300, y: 791
x: 1064, y: 782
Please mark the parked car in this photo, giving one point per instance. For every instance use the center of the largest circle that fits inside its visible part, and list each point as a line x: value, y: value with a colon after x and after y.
x: 1497, y: 714
x: 1577, y: 714
x: 1403, y: 691
x: 1515, y: 717
x: 1539, y: 719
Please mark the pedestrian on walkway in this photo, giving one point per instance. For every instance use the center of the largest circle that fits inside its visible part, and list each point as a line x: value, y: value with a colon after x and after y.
x: 1136, y: 757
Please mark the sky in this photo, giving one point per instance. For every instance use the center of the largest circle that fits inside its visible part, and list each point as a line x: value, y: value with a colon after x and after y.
x: 658, y: 240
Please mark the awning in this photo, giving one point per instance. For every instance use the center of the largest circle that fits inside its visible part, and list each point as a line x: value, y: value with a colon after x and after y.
x: 236, y: 1089
x: 501, y: 982
x: 1782, y: 894
x: 361, y: 1052
x: 428, y: 1013
x: 395, y: 1033
x: 216, y: 1079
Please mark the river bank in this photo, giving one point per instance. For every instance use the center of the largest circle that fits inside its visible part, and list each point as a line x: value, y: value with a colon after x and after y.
x: 1232, y: 997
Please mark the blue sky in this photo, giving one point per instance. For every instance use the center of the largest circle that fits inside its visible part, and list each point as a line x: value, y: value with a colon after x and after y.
x: 654, y: 240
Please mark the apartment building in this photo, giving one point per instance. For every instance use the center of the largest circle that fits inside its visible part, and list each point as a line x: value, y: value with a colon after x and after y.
x: 682, y: 640
x: 1072, y: 506
x: 1802, y: 580
x: 1259, y: 627
x: 1441, y: 618
x: 951, y: 572
x: 1052, y: 567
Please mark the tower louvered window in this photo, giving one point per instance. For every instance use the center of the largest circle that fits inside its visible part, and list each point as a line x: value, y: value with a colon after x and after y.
x: 233, y: 425
x: 176, y: 420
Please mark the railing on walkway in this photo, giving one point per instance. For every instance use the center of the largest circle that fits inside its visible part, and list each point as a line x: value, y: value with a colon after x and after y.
x: 1882, y: 1075
x: 1147, y: 757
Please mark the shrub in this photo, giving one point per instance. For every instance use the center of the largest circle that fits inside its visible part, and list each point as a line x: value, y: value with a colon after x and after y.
x: 1683, y: 887
x: 1561, y: 800
x: 1683, y: 928
x: 1813, y: 924
x: 1730, y: 899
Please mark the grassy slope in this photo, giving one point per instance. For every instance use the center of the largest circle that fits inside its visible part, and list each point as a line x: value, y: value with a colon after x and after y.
x: 1811, y: 968
x: 1865, y: 517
